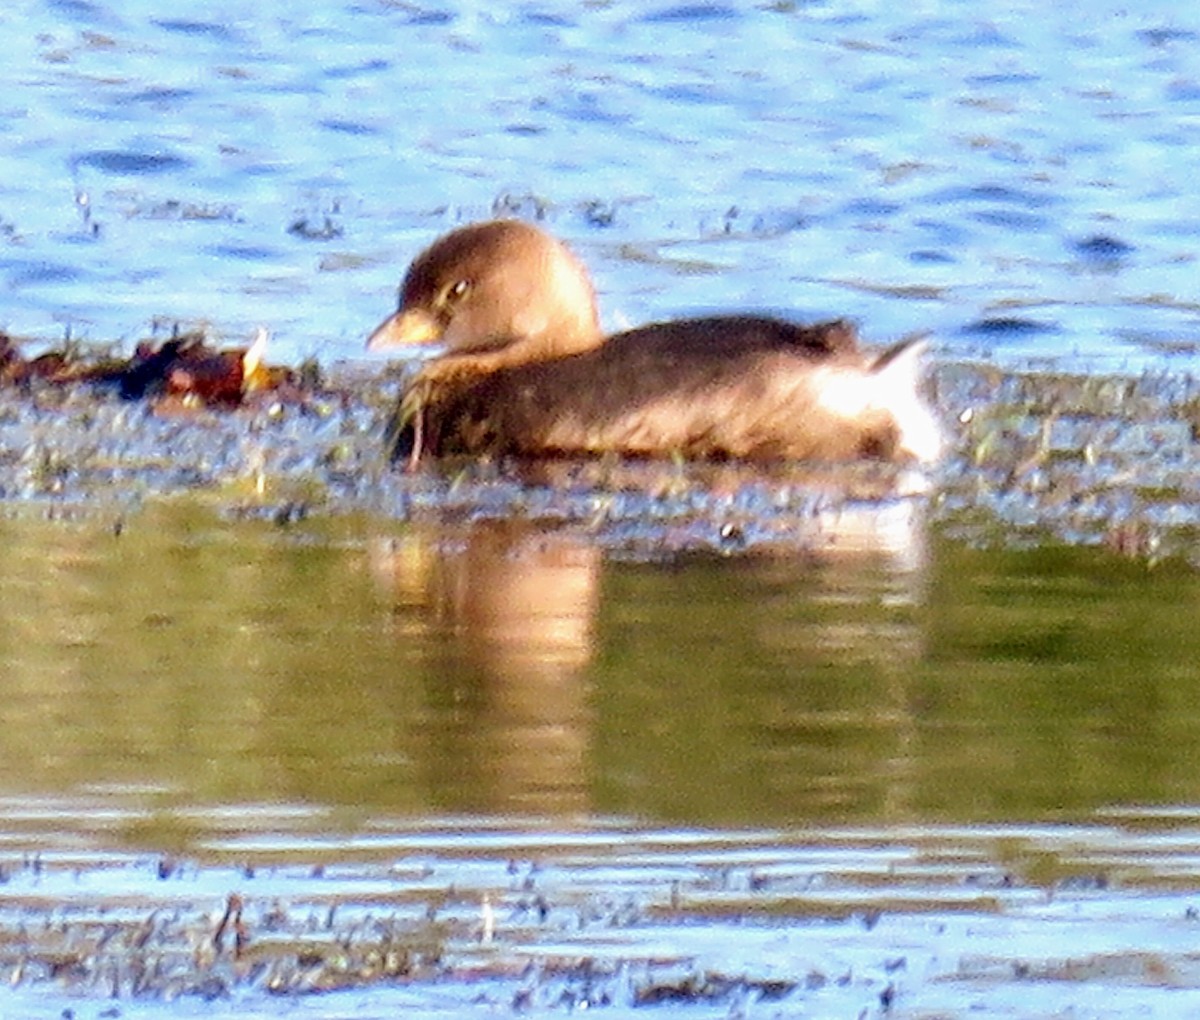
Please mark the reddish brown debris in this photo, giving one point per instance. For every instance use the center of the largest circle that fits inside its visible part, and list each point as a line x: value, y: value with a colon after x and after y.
x: 184, y: 367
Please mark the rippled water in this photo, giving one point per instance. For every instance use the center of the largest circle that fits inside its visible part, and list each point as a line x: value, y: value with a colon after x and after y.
x: 1014, y: 177
x: 444, y: 766
x: 467, y: 917
x: 874, y: 674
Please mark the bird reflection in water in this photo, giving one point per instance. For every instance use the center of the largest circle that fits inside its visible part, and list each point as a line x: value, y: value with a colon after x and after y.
x: 501, y: 620
x: 512, y: 608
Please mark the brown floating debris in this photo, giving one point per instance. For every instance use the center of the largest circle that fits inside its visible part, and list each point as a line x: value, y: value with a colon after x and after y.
x: 185, y: 366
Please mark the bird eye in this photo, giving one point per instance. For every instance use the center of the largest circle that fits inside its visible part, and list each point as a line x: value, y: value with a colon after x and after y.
x: 457, y: 291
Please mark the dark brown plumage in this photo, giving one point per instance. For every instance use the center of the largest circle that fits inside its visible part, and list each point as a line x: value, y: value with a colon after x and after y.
x: 527, y: 371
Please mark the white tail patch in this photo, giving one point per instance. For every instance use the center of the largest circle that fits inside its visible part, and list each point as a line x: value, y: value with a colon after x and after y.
x: 890, y: 384
x: 897, y: 375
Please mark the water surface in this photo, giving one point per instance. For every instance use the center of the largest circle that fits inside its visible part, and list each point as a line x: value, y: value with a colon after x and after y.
x: 1014, y: 178
x: 453, y: 766
x: 508, y: 667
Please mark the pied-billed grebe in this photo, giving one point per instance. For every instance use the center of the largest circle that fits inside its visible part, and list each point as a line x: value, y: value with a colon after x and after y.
x: 527, y: 371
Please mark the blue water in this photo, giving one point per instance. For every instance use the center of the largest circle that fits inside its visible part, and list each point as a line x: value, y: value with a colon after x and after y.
x: 1016, y: 178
